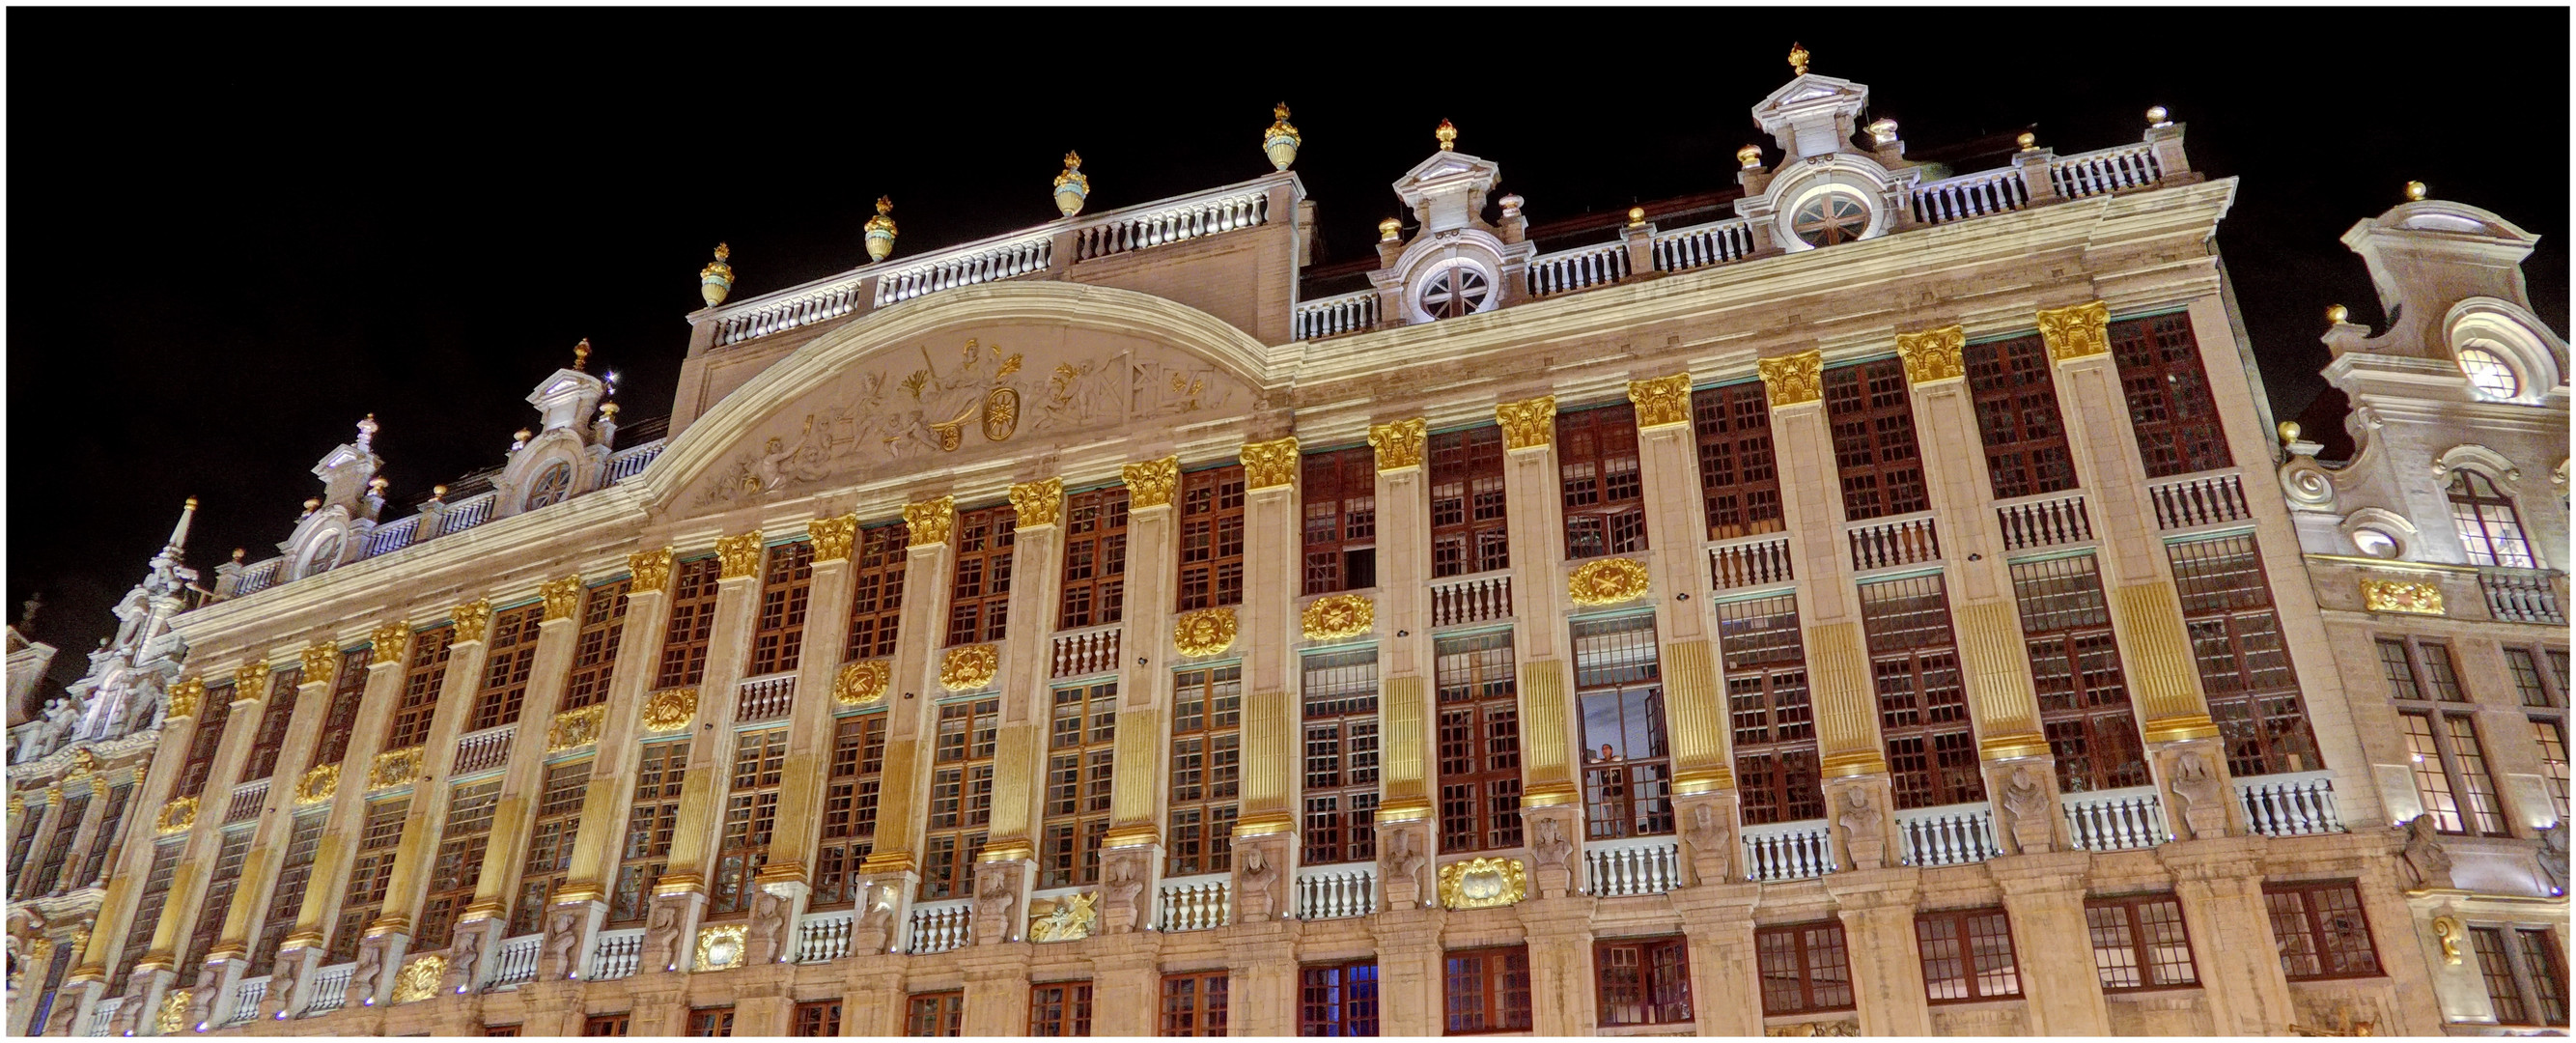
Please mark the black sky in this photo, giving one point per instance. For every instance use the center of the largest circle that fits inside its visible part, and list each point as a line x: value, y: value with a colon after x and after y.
x: 233, y: 233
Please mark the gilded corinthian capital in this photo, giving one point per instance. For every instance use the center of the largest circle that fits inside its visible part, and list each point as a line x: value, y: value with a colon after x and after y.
x: 1271, y: 464
x: 471, y: 620
x: 1661, y: 402
x: 740, y: 554
x: 833, y: 537
x: 1794, y: 379
x: 1038, y: 503
x: 1527, y: 424
x: 1150, y: 482
x: 1398, y: 445
x: 652, y: 569
x: 2081, y: 331
x: 1933, y: 354
x: 563, y: 597
x: 392, y: 640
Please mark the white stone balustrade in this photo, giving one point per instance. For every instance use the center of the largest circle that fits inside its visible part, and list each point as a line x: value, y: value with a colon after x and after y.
x: 2104, y: 170
x: 1951, y: 835
x: 389, y: 537
x: 825, y: 936
x: 1889, y: 542
x: 764, y: 698
x: 102, y: 1014
x: 2295, y: 804
x: 515, y: 962
x: 246, y: 802
x: 467, y: 513
x: 483, y: 750
x: 1120, y: 231
x: 2043, y: 522
x: 2116, y: 819
x: 1756, y: 561
x: 1580, y: 268
x: 819, y: 301
x: 1088, y: 651
x: 257, y: 576
x: 1336, y: 891
x: 1194, y: 903
x: 1467, y: 600
x: 967, y: 266
x: 330, y: 988
x: 940, y: 926
x: 1700, y: 246
x: 2198, y: 499
x: 1328, y: 316
x: 1631, y: 866
x: 247, y: 994
x: 1969, y: 195
x: 2521, y: 595
x: 1788, y: 850
x: 628, y: 462
x: 615, y: 954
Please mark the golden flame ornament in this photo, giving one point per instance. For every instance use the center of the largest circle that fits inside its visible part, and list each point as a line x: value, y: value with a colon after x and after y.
x: 1071, y: 187
x: 716, y: 279
x: 1447, y: 132
x: 881, y: 230
x: 1281, y: 140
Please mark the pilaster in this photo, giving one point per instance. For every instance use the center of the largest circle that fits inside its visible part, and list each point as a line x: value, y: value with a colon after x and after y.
x: 2044, y: 900
x: 522, y: 784
x: 276, y: 823
x: 1268, y: 638
x: 1676, y: 529
x: 2220, y: 886
x: 1551, y: 796
x: 1410, y: 972
x: 1132, y: 855
x: 580, y: 903
x: 1261, y: 980
x: 390, y: 647
x: 787, y: 877
x: 680, y: 898
x: 1562, y: 993
x: 1037, y: 574
x: 1877, y: 911
x: 1726, y: 983
x: 894, y: 864
x: 408, y: 882
x: 1402, y: 618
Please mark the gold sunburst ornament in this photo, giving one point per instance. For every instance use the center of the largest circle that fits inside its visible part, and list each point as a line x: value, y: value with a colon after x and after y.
x: 969, y: 668
x: 420, y: 977
x: 319, y: 783
x: 1338, y: 616
x: 1206, y: 632
x: 670, y: 709
x: 720, y: 948
x: 1608, y: 581
x: 861, y: 684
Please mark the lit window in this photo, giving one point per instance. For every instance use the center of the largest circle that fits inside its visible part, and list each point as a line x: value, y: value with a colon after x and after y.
x: 2490, y: 529
x: 551, y: 487
x: 1829, y: 218
x: 2489, y: 372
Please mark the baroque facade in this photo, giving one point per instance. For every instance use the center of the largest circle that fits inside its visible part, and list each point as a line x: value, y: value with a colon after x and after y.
x: 1884, y: 609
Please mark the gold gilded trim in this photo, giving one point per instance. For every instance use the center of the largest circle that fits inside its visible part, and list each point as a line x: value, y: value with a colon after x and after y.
x: 1483, y: 883
x: 321, y: 661
x: 679, y: 884
x: 887, y: 862
x: 1527, y: 424
x: 1338, y: 616
x: 969, y: 668
x: 1269, y: 465
x: 250, y: 683
x: 2406, y: 596
x: 320, y: 783
x: 2012, y: 747
x: 185, y: 695
x: 1661, y: 402
x: 394, y: 768
x: 172, y: 1018
x: 2078, y: 332
x: 177, y: 816
x: 1857, y: 762
x: 861, y: 684
x: 833, y: 537
x: 392, y: 640
x: 1150, y: 482
x: 2178, y: 729
x: 740, y: 554
x: 670, y: 709
x: 1205, y: 632
x: 1399, y: 445
x: 1607, y: 581
x: 563, y: 598
x: 471, y: 619
x: 1793, y: 380
x: 720, y: 947
x: 929, y: 521
x: 1263, y: 825
x: 1141, y: 834
x: 1038, y: 503
x: 574, y: 729
x: 1004, y: 851
x: 651, y: 569
x: 420, y: 977
x: 1933, y: 355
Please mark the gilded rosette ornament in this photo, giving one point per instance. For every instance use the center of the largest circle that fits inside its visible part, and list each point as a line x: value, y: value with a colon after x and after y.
x: 741, y: 555
x: 1150, y: 482
x: 573, y: 729
x: 1205, y: 632
x: 563, y: 598
x: 720, y: 947
x: 177, y: 816
x: 2082, y: 331
x: 969, y: 668
x: 651, y: 569
x: 1269, y: 465
x: 394, y: 768
x: 390, y: 642
x: 1483, y: 883
x: 1933, y: 354
x: 833, y: 537
x: 670, y: 709
x: 186, y: 695
x: 1038, y: 503
x: 2407, y: 596
x: 172, y: 1018
x: 1528, y: 424
x: 420, y: 977
x: 930, y: 520
x: 861, y: 684
x: 250, y: 682
x: 320, y: 783
x: 1794, y: 379
x: 472, y: 618
x: 1663, y: 401
x: 1338, y: 616
x: 1607, y: 581
x: 1399, y: 445
x: 320, y: 662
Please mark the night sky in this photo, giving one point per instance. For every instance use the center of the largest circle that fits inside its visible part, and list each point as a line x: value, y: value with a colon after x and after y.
x: 233, y: 233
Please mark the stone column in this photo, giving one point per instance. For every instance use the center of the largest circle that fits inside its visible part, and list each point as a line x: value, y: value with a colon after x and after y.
x: 2044, y: 900
x: 682, y: 890
x: 1401, y: 617
x: 1694, y: 699
x: 2220, y: 886
x: 1551, y: 795
x: 1261, y: 979
x: 1851, y: 754
x: 482, y: 924
x: 1560, y: 963
x: 1268, y: 636
x: 277, y: 824
x: 997, y: 991
x: 1726, y: 983
x: 1126, y: 985
x: 1131, y: 859
x: 1877, y: 910
x: 763, y: 1005
x: 579, y: 905
x: 787, y: 877
x: 344, y: 787
x: 2418, y: 1010
x: 893, y: 866
x: 391, y: 934
x: 223, y: 963
x: 133, y: 862
x: 1006, y: 869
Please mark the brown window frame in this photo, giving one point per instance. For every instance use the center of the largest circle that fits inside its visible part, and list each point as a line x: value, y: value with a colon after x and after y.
x: 1479, y: 735
x: 223, y: 882
x: 509, y: 1030
x: 2487, y: 521
x: 2244, y: 659
x: 1478, y: 987
x: 2124, y: 931
x: 1878, y: 458
x: 340, y: 720
x: 2018, y: 420
x: 1338, y: 999
x: 2457, y: 785
x: 611, y: 1024
x: 276, y: 713
x: 424, y: 675
x: 1922, y: 694
x: 1194, y: 1004
x: 58, y: 848
x: 979, y: 581
x: 23, y: 844
x: 2083, y: 688
x: 286, y: 897
x: 2295, y: 902
x: 935, y: 1013
x: 652, y: 815
x: 786, y: 590
x: 214, y: 713
x: 147, y: 911
x: 880, y: 557
x: 1470, y: 532
x: 960, y: 809
x: 849, y: 821
x: 691, y: 624
x: 1060, y: 1008
x: 1626, y: 792
x: 594, y: 647
x: 371, y: 870
x: 1206, y: 771
x: 1211, y: 538
x: 2541, y: 689
x: 509, y: 659
x: 1082, y: 750
x: 1948, y: 943
x: 2549, y: 734
x: 1778, y: 774
x: 1339, y: 699
x: 815, y: 1018
x: 553, y: 829
x: 1642, y: 981
x: 1094, y: 592
x: 1739, y: 470
x: 2167, y: 388
x: 711, y: 1021
x: 750, y: 818
x: 458, y: 864
x: 1337, y: 491
x: 111, y: 823
x: 1601, y: 481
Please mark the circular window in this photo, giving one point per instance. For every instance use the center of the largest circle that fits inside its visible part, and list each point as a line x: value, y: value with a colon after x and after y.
x: 551, y: 486
x: 326, y: 553
x: 1829, y: 218
x: 2375, y: 543
x: 1457, y: 290
x: 2489, y: 372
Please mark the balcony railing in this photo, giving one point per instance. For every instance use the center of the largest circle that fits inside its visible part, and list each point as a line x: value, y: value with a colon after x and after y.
x: 1578, y: 269
x: 1699, y: 246
x: 2032, y: 524
x: 467, y: 513
x: 940, y: 926
x: 2522, y: 595
x: 1195, y: 903
x: 2104, y: 170
x: 483, y: 750
x: 1008, y: 259
x: 616, y: 954
x: 1327, y: 316
x: 825, y: 936
x: 1895, y: 541
x: 2116, y: 819
x: 102, y: 1015
x: 330, y: 988
x: 515, y: 962
x: 1122, y: 231
x: 247, y: 994
x: 2296, y: 804
x: 2201, y: 499
x: 1951, y: 835
x: 246, y: 802
x: 1336, y: 891
x: 1788, y: 851
x: 1969, y: 195
x: 389, y: 537
x: 628, y: 462
x: 1468, y: 600
x: 1754, y: 562
x: 768, y: 697
x: 1631, y: 866
x: 1088, y: 651
x: 258, y: 576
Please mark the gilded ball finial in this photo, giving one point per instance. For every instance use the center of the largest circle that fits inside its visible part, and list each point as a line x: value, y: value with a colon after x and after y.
x: 1281, y: 140
x: 1388, y: 229
x: 1447, y: 132
x: 2028, y: 141
x: 880, y: 230
x: 2289, y: 430
x: 1071, y: 187
x: 716, y: 279
x: 581, y: 355
x: 2157, y: 117
x: 1797, y: 59
x: 2338, y: 314
x: 1882, y: 132
x: 608, y: 410
x: 1636, y: 216
x: 192, y: 503
x: 378, y: 483
x: 2414, y: 191
x: 1750, y: 156
x: 312, y: 504
x: 239, y: 554
x: 438, y: 492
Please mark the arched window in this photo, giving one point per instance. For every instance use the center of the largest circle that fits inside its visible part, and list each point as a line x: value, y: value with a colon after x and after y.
x: 2489, y: 528
x: 326, y: 553
x: 2488, y: 371
x: 551, y: 486
x: 1829, y: 218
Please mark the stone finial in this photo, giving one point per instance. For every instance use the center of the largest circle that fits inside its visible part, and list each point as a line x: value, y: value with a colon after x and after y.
x: 880, y: 231
x: 1636, y: 217
x: 1797, y: 59
x: 312, y: 504
x: 438, y: 492
x: 367, y: 429
x: 1750, y: 156
x: 1281, y: 140
x: 2028, y: 141
x: 581, y: 356
x: 1071, y: 187
x: 1883, y: 132
x: 2414, y: 191
x: 2338, y: 314
x: 2289, y: 431
x: 716, y: 279
x: 378, y: 484
x: 1447, y: 132
x: 1389, y: 229
x: 2158, y: 117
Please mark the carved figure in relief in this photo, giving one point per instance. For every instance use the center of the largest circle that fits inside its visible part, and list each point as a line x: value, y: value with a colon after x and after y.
x: 2026, y: 810
x: 2423, y: 862
x: 1708, y: 836
x: 201, y: 1003
x: 59, y: 1021
x: 2553, y: 857
x: 281, y: 986
x: 876, y: 922
x: 1406, y: 864
x: 1861, y: 834
x: 461, y: 959
x: 129, y: 1014
x: 1548, y: 845
x: 1258, y: 894
x: 661, y: 936
x: 1124, y: 881
x: 364, y: 981
x: 1068, y: 919
x: 768, y: 926
x: 995, y: 893
x: 563, y: 940
x: 2195, y: 787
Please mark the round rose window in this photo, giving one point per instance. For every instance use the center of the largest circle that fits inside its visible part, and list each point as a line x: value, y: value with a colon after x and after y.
x: 1454, y: 291
x: 1829, y: 218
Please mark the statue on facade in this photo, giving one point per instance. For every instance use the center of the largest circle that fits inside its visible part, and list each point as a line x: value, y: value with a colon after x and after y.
x: 2553, y: 857
x: 1124, y: 881
x: 768, y: 927
x: 2423, y: 863
x: 876, y: 920
x: 1861, y: 823
x: 58, y: 1022
x: 563, y: 942
x: 1710, y: 837
x: 366, y: 981
x: 2025, y: 803
x: 461, y: 958
x: 996, y: 891
x: 1257, y: 895
x: 129, y: 1014
x: 281, y: 985
x: 1548, y: 846
x: 1405, y: 865
x: 201, y: 1003
x: 2196, y: 788
x: 662, y: 936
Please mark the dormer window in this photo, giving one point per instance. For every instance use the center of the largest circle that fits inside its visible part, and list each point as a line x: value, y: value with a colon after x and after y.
x: 1459, y: 289
x: 2489, y: 372
x: 2490, y: 529
x: 1831, y: 217
x: 551, y: 487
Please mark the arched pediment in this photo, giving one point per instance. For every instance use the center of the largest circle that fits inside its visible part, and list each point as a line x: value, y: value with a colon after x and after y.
x: 959, y: 377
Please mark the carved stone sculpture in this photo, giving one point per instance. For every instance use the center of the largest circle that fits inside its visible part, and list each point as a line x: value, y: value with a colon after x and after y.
x: 876, y: 922
x: 281, y: 986
x: 1711, y: 838
x: 1405, y: 883
x: 201, y: 1004
x: 661, y: 937
x: 59, y: 1021
x: 369, y: 975
x: 1123, y: 880
x: 1257, y: 884
x: 2423, y: 863
x: 997, y: 889
x: 129, y: 1014
x: 2553, y: 857
x: 462, y: 958
x: 2026, y: 810
x: 1862, y: 833
x: 563, y: 944
x: 768, y: 931
x: 1548, y: 845
x: 2195, y: 787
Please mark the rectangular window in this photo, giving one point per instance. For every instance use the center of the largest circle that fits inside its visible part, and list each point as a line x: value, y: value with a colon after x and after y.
x: 2321, y: 931
x: 2168, y: 392
x: 1095, y: 559
x: 876, y: 590
x: 961, y: 796
x: 1480, y: 742
x: 370, y: 873
x: 2533, y: 684
x: 214, y: 710
x: 423, y: 675
x: 2495, y: 965
x: 1804, y: 970
x: 659, y: 771
x: 1777, y: 775
x: 1488, y: 990
x: 1922, y: 703
x: 512, y: 656
x: 58, y: 849
x: 1061, y: 1008
x: 1339, y: 491
x: 2544, y: 965
x: 501, y: 1030
x: 1599, y: 479
x: 1468, y: 534
x: 1643, y: 981
x: 1967, y: 956
x: 2244, y: 664
x: 849, y: 809
x: 459, y: 864
x: 2550, y: 734
x: 935, y: 1014
x: 147, y: 911
x: 348, y: 689
x: 751, y: 816
x: 1207, y: 765
x: 604, y: 1024
x: 24, y: 843
x: 1739, y: 481
x: 1337, y: 999
x: 821, y: 1018
x: 711, y: 1021
x: 1875, y: 454
x: 2017, y: 417
x: 217, y: 900
x: 550, y: 843
x: 594, y: 649
x: 979, y: 599
x: 786, y: 584
x: 1627, y: 766
x: 2075, y: 664
x: 1211, y: 538
x: 275, y: 713
x: 2139, y: 942
x: 111, y: 824
x: 692, y: 623
x: 1082, y: 739
x: 1194, y: 1004
x: 1341, y: 757
x: 286, y: 900
x: 2451, y: 775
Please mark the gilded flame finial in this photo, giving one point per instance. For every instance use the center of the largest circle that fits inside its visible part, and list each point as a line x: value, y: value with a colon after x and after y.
x: 1448, y: 135
x: 1071, y: 187
x: 716, y: 279
x: 1281, y: 140
x: 880, y: 231
x: 581, y: 356
x: 1797, y: 58
x: 2415, y: 191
